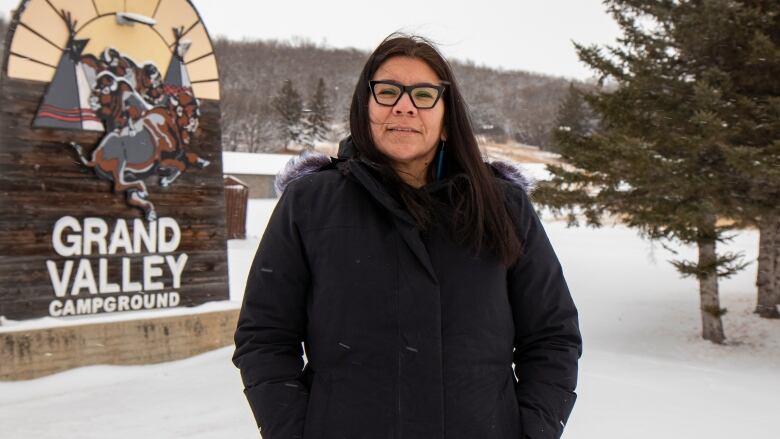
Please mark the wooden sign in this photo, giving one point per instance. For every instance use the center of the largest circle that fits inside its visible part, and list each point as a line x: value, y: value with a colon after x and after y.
x: 111, y: 195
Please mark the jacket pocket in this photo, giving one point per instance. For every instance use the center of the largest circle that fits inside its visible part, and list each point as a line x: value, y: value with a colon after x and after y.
x: 317, y: 410
x: 508, y: 410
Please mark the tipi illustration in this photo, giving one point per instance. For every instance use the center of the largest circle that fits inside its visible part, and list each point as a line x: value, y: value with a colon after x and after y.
x: 66, y: 102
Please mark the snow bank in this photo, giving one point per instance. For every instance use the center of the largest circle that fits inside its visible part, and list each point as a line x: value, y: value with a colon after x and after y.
x: 253, y: 163
x: 50, y: 322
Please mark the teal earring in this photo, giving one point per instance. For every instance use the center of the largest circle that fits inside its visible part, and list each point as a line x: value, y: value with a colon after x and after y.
x: 440, y: 162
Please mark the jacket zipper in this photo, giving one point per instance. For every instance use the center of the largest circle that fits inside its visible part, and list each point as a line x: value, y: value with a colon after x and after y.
x: 399, y: 394
x: 400, y: 340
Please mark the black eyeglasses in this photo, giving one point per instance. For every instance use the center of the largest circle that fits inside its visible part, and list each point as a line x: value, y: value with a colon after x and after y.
x: 424, y: 96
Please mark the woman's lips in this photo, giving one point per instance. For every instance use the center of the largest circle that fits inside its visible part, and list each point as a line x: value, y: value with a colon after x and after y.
x: 403, y: 130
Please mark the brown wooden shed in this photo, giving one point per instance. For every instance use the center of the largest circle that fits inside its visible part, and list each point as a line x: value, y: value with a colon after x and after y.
x: 236, y: 199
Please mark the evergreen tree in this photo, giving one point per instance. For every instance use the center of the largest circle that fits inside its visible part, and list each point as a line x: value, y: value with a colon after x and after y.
x: 658, y: 160
x: 316, y: 122
x: 768, y: 273
x: 289, y: 108
x: 734, y: 48
x: 574, y: 116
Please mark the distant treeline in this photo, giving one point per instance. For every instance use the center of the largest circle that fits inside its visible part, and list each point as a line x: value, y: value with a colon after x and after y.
x: 505, y: 105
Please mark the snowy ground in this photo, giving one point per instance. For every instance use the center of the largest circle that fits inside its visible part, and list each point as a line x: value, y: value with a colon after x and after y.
x: 644, y: 372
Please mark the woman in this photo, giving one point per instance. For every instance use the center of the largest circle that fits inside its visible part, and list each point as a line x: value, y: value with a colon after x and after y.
x: 410, y: 270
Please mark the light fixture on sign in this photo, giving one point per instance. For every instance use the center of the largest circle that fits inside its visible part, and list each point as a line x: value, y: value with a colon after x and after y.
x: 130, y: 18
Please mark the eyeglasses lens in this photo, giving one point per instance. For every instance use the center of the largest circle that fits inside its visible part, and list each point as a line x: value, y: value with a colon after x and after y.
x: 386, y: 94
x: 424, y: 97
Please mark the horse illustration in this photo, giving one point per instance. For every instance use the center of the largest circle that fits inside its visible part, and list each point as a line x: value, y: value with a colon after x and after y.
x: 151, y: 142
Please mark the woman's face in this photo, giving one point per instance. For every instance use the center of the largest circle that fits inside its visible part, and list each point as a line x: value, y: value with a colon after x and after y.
x: 408, y: 136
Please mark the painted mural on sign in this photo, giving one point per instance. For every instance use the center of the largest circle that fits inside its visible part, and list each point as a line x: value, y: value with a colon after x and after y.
x: 148, y: 120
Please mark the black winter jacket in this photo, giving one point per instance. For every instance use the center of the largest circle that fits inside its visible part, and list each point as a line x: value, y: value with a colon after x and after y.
x: 407, y: 336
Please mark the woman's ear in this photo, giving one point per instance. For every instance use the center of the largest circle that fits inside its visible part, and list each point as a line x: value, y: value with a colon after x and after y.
x: 443, y: 134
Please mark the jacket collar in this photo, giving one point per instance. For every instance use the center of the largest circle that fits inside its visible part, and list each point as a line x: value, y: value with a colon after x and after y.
x: 405, y: 224
x: 366, y: 177
x: 310, y: 161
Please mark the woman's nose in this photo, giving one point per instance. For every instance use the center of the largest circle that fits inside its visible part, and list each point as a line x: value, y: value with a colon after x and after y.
x: 405, y: 105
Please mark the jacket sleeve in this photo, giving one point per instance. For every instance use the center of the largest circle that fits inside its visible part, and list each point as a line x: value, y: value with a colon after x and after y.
x: 272, y: 326
x: 548, y: 343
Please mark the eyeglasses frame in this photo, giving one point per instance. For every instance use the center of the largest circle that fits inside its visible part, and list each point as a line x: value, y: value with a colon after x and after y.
x: 408, y: 90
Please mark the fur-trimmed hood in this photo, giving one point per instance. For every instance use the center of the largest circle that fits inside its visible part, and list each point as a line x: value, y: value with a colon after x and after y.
x: 310, y: 161
x: 307, y: 162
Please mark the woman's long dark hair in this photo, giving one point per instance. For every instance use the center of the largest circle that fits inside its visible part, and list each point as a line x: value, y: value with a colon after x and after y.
x: 482, y: 220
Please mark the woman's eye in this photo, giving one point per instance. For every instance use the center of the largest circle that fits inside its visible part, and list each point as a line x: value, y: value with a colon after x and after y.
x: 388, y: 92
x: 423, y: 94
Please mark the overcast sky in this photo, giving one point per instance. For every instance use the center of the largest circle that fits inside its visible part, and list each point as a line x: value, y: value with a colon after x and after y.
x: 531, y: 35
